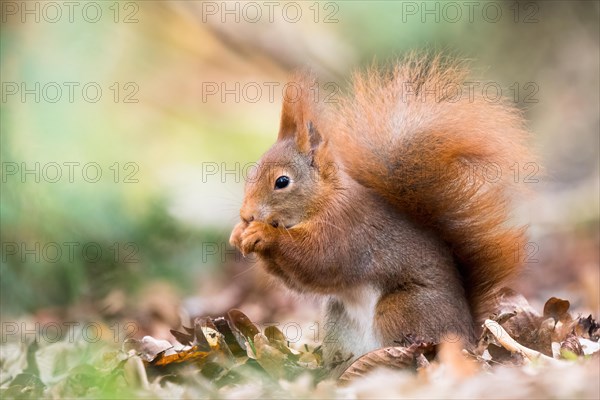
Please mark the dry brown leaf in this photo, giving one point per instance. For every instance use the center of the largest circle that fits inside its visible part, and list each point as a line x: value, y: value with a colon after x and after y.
x: 588, y: 328
x: 274, y: 333
x: 205, y: 333
x: 277, y: 340
x: 510, y: 344
x: 527, y: 327
x: 193, y: 354
x: 242, y: 323
x: 389, y: 357
x: 557, y: 309
x: 208, y: 345
x: 269, y: 357
x: 233, y: 338
x: 572, y: 345
x: 183, y: 338
x: 508, y: 301
x: 147, y: 348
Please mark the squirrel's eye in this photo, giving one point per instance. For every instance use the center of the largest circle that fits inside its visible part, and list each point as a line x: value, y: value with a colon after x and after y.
x: 282, y: 182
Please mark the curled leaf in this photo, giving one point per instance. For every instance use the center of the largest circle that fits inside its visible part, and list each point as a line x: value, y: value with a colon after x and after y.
x: 242, y: 323
x: 233, y: 338
x: 571, y: 345
x: 389, y: 357
x: 557, y: 308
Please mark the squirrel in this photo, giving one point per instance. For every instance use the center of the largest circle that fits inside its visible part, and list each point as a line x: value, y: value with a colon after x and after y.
x: 391, y: 204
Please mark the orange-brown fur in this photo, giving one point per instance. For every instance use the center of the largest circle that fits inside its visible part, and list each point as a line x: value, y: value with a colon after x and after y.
x: 442, y: 152
x: 388, y: 197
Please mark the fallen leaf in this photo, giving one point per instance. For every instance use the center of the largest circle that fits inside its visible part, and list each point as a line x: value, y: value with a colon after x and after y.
x: 242, y: 323
x: 389, y: 357
x: 571, y: 345
x: 557, y: 309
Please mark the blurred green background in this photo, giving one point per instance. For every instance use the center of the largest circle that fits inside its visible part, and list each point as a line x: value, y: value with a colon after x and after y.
x: 156, y: 133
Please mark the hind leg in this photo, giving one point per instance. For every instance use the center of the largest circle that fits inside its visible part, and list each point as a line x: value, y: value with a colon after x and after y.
x: 423, y: 313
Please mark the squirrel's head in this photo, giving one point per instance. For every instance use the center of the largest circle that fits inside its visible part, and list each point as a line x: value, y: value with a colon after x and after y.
x: 293, y: 178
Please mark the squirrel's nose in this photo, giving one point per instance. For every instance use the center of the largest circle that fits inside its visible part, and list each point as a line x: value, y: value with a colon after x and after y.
x: 246, y: 217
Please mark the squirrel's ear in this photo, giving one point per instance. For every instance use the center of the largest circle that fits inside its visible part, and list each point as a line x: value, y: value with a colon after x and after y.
x: 297, y: 114
x: 287, y: 127
x: 314, y: 136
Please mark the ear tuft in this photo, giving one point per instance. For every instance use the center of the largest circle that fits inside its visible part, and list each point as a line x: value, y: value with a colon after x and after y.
x: 298, y: 112
x: 314, y: 135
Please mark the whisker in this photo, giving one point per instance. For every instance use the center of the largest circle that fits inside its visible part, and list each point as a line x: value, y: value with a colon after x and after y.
x: 288, y: 232
x: 330, y: 224
x: 244, y: 271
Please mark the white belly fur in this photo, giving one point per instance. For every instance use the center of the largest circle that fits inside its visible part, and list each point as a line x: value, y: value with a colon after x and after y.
x: 355, y: 328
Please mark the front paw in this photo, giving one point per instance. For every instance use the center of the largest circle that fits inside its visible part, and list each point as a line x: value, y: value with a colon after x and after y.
x: 236, y: 235
x: 257, y: 237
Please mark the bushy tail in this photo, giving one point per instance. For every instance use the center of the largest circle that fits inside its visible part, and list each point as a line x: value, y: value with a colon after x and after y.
x: 434, y: 146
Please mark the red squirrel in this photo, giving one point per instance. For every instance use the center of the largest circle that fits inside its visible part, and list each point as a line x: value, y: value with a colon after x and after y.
x: 393, y: 204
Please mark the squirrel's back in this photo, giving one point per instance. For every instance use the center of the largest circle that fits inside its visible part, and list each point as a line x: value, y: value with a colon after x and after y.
x: 430, y: 143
